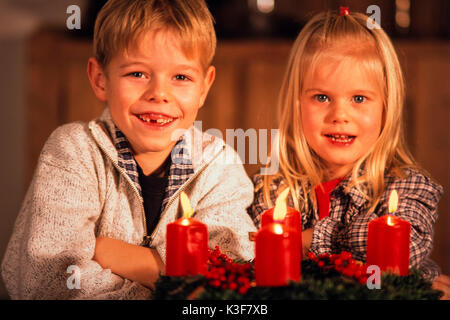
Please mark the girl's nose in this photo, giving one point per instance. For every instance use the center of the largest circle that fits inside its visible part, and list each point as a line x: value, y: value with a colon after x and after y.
x: 157, y: 91
x: 339, y: 112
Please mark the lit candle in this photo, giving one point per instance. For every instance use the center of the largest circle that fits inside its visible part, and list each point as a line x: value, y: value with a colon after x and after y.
x: 388, y: 241
x: 292, y: 218
x: 186, y: 244
x: 278, y: 249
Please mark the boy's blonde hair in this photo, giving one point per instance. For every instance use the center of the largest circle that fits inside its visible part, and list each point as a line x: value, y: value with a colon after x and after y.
x: 329, y: 35
x: 120, y: 23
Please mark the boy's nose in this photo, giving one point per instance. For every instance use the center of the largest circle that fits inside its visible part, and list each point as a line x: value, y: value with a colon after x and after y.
x: 157, y: 91
x: 339, y: 112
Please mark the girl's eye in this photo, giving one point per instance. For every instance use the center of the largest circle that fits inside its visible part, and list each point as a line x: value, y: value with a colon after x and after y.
x: 181, y: 77
x: 359, y: 99
x: 321, y: 97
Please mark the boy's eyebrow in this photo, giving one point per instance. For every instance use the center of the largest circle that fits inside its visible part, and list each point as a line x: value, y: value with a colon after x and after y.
x: 137, y: 63
x: 186, y: 66
x: 129, y: 64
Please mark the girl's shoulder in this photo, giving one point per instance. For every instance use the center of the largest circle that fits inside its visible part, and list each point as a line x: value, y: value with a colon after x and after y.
x: 413, y: 180
x: 260, y: 202
x: 275, y: 182
x: 413, y: 184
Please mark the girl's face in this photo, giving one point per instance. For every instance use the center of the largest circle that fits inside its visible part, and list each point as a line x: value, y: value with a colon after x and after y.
x: 342, y: 110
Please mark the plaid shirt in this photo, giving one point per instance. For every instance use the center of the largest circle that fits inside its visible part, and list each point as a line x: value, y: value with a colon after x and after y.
x: 180, y: 171
x: 346, y: 227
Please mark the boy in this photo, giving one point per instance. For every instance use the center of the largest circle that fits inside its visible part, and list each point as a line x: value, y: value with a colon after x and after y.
x: 103, y: 192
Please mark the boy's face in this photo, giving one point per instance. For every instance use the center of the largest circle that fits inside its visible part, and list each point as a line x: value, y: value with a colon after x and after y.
x: 154, y: 90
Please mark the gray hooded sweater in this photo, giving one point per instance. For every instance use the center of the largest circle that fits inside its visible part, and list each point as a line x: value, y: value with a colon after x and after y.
x: 79, y: 192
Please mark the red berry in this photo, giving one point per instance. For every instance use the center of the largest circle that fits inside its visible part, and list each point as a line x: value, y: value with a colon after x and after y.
x: 321, y: 264
x: 348, y: 272
x: 311, y: 255
x: 346, y: 255
x: 325, y: 255
x: 243, y: 290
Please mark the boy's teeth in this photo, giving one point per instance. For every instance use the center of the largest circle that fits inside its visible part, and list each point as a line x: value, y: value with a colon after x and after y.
x: 146, y: 118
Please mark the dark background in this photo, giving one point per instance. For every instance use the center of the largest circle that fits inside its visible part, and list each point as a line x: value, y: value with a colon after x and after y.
x: 43, y: 82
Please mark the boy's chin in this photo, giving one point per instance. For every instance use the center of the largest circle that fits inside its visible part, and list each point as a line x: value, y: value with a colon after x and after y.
x: 165, y: 147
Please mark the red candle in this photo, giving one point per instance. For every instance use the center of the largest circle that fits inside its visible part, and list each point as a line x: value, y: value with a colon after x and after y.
x: 277, y: 255
x: 278, y: 247
x: 186, y: 244
x: 388, y: 241
x: 291, y: 220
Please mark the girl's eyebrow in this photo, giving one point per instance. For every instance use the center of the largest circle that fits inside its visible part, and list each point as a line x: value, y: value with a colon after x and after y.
x: 363, y: 91
x: 357, y: 91
x: 316, y: 89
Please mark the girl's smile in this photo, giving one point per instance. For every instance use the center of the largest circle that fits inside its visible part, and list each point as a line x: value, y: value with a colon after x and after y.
x: 341, y: 109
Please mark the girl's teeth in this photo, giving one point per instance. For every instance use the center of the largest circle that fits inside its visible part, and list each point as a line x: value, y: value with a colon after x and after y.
x: 341, y: 138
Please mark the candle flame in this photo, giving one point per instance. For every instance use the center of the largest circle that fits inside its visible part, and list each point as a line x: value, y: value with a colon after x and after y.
x: 280, y: 205
x: 390, y: 221
x: 393, y: 200
x: 278, y: 228
x: 186, y: 205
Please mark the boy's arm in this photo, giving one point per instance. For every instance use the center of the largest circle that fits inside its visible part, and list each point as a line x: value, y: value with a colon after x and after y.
x: 49, y: 255
x: 129, y: 261
x: 227, y: 193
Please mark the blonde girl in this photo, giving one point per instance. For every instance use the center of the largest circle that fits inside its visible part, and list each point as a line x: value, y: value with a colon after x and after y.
x: 341, y: 144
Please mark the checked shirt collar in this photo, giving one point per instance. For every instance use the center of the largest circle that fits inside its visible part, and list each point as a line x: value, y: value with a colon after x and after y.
x: 181, y: 168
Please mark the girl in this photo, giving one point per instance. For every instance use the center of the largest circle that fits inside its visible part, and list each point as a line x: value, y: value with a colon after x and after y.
x: 341, y: 146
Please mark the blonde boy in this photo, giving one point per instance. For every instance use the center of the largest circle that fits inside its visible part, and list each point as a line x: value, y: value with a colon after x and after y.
x: 104, y: 191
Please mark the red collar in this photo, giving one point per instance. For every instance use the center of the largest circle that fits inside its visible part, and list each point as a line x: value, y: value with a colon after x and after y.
x: 323, y: 192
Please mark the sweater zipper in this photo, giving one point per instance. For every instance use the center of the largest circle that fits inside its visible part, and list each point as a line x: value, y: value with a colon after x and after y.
x: 148, y: 238
x: 136, y: 191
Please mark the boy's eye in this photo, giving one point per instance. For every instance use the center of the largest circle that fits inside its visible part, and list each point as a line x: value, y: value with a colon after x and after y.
x: 181, y: 77
x: 359, y: 99
x: 137, y: 74
x: 321, y: 97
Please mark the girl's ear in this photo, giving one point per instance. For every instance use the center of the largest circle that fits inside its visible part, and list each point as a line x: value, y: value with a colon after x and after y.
x: 97, y: 78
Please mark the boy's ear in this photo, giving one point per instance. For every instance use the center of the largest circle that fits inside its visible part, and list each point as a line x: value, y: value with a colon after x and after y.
x: 209, y: 79
x: 97, y: 78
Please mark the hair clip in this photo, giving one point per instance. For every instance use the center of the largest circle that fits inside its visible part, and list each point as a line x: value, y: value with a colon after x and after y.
x: 345, y: 11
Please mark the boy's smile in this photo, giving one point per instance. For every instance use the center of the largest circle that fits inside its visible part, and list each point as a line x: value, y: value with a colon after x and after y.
x: 342, y: 108
x: 153, y: 90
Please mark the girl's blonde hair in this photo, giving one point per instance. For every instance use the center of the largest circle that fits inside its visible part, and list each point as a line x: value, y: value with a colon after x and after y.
x: 120, y: 23
x: 299, y: 166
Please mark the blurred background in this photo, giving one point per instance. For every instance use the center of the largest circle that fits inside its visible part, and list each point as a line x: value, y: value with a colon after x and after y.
x: 43, y: 81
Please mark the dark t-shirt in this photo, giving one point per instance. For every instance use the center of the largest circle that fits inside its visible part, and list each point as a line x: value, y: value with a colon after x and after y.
x: 153, y: 189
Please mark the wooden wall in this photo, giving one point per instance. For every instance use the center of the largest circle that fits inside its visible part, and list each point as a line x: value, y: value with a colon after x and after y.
x: 244, y: 95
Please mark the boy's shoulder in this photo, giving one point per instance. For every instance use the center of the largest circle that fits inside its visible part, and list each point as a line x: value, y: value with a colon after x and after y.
x: 71, y: 144
x: 68, y: 136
